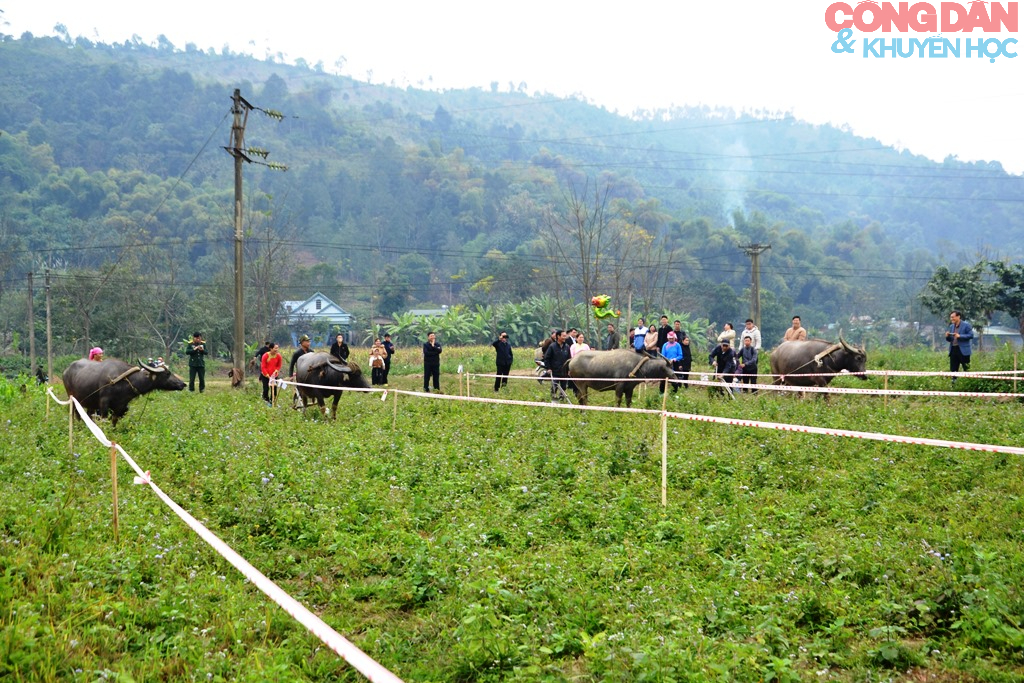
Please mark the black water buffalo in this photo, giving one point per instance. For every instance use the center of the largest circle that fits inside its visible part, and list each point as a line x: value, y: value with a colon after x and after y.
x: 107, y: 387
x: 615, y: 369
x: 324, y: 370
x: 794, y: 362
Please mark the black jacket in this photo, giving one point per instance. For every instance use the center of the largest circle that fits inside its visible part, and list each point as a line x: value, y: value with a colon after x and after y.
x: 687, y: 351
x: 556, y: 357
x: 340, y: 351
x: 259, y: 354
x: 725, y: 360
x: 503, y: 352
x: 431, y: 355
x: 663, y: 336
x: 298, y: 353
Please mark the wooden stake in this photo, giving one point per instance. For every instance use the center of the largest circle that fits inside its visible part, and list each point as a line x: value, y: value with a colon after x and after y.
x: 113, y: 479
x: 394, y: 417
x: 71, y: 427
x: 467, y: 385
x: 1015, y: 372
x: 664, y: 446
x: 664, y: 459
x: 885, y: 385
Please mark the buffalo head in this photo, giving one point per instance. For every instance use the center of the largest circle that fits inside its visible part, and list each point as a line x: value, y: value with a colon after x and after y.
x: 855, y: 359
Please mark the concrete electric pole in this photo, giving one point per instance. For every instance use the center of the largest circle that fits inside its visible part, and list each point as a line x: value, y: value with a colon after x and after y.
x: 49, y: 332
x: 754, y: 251
x: 31, y: 328
x: 240, y: 109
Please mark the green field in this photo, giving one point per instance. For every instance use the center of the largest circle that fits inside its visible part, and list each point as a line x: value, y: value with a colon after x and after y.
x: 489, y: 542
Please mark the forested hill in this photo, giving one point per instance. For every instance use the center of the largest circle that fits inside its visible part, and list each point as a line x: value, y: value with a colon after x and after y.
x: 104, y: 145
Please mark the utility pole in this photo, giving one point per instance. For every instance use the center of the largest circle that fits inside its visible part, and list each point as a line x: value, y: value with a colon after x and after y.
x: 754, y: 251
x: 31, y: 329
x: 240, y: 109
x: 49, y: 332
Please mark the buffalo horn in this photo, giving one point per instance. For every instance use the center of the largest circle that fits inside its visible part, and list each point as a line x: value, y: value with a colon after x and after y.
x: 846, y: 346
x: 152, y: 368
x: 340, y: 368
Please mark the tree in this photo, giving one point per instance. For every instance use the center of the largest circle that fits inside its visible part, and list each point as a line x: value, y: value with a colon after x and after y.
x: 163, y: 315
x: 1009, y: 290
x: 964, y: 290
x: 269, y: 261
x: 392, y: 292
x: 576, y: 239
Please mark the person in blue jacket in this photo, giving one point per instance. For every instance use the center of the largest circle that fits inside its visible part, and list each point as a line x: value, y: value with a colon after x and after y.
x: 959, y: 336
x: 673, y: 353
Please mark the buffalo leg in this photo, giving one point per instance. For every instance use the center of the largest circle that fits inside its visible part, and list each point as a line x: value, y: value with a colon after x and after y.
x: 629, y: 395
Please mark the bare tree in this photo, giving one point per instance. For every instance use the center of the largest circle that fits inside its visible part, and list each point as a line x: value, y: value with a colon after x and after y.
x: 86, y: 290
x: 576, y: 240
x: 269, y: 261
x: 166, y: 298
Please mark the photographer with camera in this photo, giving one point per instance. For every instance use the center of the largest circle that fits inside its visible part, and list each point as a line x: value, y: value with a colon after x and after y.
x: 196, y: 350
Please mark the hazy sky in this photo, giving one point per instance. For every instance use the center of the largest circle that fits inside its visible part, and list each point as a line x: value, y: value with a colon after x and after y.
x: 744, y: 54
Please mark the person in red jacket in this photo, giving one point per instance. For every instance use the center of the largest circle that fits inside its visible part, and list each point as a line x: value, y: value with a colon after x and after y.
x: 270, y: 366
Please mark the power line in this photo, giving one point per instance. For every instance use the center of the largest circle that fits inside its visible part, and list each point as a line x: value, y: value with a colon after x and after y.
x: 855, y: 270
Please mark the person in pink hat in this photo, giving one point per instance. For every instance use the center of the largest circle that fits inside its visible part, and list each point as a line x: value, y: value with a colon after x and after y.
x: 96, y: 353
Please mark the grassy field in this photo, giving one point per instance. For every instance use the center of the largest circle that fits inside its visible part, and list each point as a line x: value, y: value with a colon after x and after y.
x: 488, y: 542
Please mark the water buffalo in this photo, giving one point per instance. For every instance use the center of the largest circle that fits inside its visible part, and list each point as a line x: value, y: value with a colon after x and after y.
x: 615, y: 369
x: 324, y: 370
x: 107, y: 387
x: 794, y: 361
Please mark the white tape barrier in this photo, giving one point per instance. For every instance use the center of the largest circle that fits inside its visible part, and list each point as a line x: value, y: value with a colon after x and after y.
x: 851, y: 390
x: 784, y: 388
x: 1004, y: 375
x: 334, y: 640
x: 873, y: 436
x: 779, y: 426
x: 356, y: 657
x: 49, y: 390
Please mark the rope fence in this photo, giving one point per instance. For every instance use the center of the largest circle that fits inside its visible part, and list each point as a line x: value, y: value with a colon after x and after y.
x: 360, y: 660
x: 344, y: 648
x: 705, y: 380
x: 779, y: 426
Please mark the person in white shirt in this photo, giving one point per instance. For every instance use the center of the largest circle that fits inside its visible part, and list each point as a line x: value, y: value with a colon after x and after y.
x: 639, y: 332
x: 750, y: 330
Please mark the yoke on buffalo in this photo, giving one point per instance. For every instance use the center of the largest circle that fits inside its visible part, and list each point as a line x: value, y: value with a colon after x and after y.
x: 618, y: 369
x: 329, y: 377
x: 107, y: 387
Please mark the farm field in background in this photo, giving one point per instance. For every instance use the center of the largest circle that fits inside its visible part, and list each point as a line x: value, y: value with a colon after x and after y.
x: 485, y: 542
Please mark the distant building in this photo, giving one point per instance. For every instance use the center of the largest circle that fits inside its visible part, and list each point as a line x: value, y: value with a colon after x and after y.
x: 301, y: 316
x: 428, y: 312
x: 995, y: 336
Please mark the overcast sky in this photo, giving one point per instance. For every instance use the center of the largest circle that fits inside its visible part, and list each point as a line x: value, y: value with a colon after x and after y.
x: 744, y: 54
